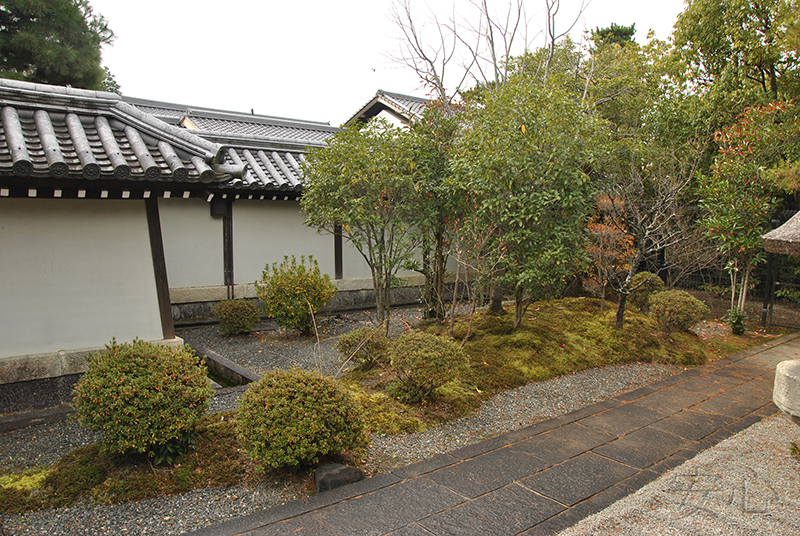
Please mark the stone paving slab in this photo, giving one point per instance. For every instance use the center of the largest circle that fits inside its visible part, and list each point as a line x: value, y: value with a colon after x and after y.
x: 475, y: 477
x: 546, y: 477
x: 509, y: 510
x: 643, y: 448
x: 692, y: 423
x: 579, y: 478
x: 563, y: 443
x: 622, y: 419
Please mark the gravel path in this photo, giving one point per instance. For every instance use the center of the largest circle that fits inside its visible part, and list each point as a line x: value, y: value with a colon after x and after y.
x: 176, y: 515
x: 748, y: 484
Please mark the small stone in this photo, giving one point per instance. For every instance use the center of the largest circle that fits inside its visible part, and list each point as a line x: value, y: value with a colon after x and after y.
x: 333, y: 475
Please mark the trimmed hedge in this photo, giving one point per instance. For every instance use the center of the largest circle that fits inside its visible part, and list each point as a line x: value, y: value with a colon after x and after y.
x: 236, y: 317
x: 425, y: 362
x: 677, y: 310
x: 142, y: 396
x: 290, y: 418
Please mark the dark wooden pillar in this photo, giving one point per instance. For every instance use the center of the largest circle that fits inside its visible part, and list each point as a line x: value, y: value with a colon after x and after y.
x: 227, y: 245
x: 159, y: 267
x: 769, y: 290
x: 337, y: 252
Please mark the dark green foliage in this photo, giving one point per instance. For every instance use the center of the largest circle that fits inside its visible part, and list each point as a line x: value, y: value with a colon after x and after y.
x: 53, y: 42
x: 644, y: 285
x: 366, y: 345
x: 425, y: 362
x: 169, y: 451
x: 614, y: 35
x: 236, y: 316
x: 677, y: 310
x: 293, y: 291
x: 290, y: 418
x: 737, y: 320
x: 141, y: 395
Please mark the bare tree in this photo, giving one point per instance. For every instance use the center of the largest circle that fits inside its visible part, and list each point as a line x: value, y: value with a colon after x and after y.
x: 477, y: 46
x: 552, y: 7
x: 645, y: 193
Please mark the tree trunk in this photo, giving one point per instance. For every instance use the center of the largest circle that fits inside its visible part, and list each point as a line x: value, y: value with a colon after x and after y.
x: 603, y: 296
x: 496, y: 300
x: 623, y: 298
x: 519, y: 308
x: 439, y: 274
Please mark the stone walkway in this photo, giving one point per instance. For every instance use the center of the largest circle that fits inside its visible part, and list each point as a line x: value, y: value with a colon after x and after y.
x: 547, y: 477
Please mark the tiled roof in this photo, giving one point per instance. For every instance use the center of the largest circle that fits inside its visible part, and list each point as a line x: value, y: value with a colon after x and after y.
x: 52, y: 133
x: 407, y: 108
x: 221, y: 123
x: 264, y: 130
x: 58, y: 132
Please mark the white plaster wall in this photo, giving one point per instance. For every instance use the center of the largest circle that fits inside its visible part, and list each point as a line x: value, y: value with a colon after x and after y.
x: 75, y: 273
x: 353, y: 264
x: 265, y: 231
x: 192, y: 243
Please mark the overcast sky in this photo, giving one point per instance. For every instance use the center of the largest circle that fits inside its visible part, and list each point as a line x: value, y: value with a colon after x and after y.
x: 319, y: 60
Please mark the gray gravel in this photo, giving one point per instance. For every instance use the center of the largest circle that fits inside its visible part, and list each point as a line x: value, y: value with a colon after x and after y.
x: 748, y: 484
x: 271, y: 347
x: 508, y: 411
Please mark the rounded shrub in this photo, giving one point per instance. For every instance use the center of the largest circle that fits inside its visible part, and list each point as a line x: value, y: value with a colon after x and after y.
x: 290, y: 418
x: 677, y: 310
x: 142, y: 396
x: 425, y: 362
x: 236, y: 316
x: 292, y: 291
x: 644, y: 285
x: 366, y: 345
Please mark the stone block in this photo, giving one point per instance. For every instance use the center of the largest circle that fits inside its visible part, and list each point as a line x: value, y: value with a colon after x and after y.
x: 786, y: 392
x: 334, y: 475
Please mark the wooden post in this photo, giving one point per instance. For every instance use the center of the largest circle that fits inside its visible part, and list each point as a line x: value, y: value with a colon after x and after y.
x: 227, y: 246
x: 337, y: 252
x: 159, y: 267
x: 769, y: 291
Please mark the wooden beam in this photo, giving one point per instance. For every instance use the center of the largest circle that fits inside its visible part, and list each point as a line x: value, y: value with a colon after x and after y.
x: 159, y: 267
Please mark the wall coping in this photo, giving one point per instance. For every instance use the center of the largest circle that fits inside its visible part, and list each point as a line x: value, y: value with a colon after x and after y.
x: 220, y: 292
x: 53, y: 364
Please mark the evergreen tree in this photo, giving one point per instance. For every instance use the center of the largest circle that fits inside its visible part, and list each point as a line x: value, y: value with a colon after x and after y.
x: 53, y: 42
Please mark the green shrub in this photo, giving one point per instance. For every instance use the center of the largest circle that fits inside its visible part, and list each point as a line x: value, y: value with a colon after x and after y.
x: 737, y: 320
x: 290, y: 418
x: 236, y: 316
x: 676, y: 310
x: 644, y: 285
x: 141, y: 395
x: 292, y: 291
x: 425, y: 362
x: 366, y: 345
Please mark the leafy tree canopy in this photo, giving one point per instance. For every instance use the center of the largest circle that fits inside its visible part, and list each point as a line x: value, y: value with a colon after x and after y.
x: 522, y: 162
x: 738, y: 45
x: 53, y: 42
x: 363, y: 182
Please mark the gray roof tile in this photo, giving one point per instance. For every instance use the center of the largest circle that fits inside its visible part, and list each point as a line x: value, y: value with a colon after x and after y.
x: 50, y: 132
